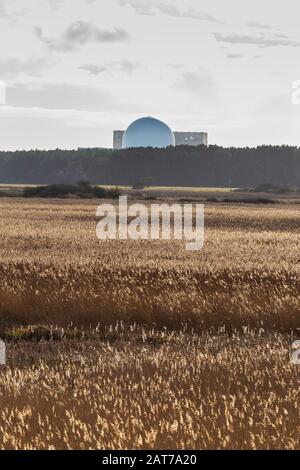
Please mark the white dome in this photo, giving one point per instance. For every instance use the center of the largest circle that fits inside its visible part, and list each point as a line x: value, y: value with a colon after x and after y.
x: 148, y: 132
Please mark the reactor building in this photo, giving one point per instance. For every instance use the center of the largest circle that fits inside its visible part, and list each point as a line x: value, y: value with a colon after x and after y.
x: 151, y: 132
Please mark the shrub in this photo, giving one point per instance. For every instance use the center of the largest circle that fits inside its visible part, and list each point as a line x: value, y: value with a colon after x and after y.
x: 241, y: 200
x: 268, y: 188
x: 82, y: 189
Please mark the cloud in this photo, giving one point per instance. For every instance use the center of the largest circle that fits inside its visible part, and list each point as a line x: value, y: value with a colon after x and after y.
x: 12, y: 16
x: 141, y: 7
x: 197, y: 92
x: 151, y: 8
x: 55, y: 4
x: 260, y: 41
x: 194, y: 81
x: 176, y: 66
x: 197, y: 83
x: 80, y: 33
x: 12, y: 67
x: 121, y: 66
x: 2, y: 10
x: 59, y: 96
x: 94, y: 69
x: 234, y: 56
x: 189, y: 13
x: 255, y: 24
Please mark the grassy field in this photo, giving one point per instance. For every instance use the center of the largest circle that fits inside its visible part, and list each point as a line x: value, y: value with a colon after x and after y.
x: 141, y: 344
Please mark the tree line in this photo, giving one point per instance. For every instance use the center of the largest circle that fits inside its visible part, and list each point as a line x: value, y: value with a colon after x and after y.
x: 174, y: 166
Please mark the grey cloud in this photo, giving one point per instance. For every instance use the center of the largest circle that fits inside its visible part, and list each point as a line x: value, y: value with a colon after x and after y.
x: 260, y: 41
x: 171, y: 10
x: 2, y: 10
x: 255, y: 24
x: 234, y: 56
x: 55, y: 4
x: 151, y: 8
x: 12, y: 67
x: 81, y: 33
x: 193, y: 81
x: 12, y: 16
x: 199, y: 83
x: 141, y: 7
x: 122, y: 66
x: 241, y: 56
x: 176, y: 66
x: 94, y: 69
x: 281, y: 35
x: 59, y: 96
x: 198, y: 90
x: 188, y: 13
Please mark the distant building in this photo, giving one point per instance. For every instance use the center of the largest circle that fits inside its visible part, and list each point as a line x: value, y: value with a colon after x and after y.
x: 191, y: 138
x: 118, y: 139
x: 151, y: 132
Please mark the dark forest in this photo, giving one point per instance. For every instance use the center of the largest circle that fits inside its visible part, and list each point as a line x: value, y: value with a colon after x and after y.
x: 174, y: 166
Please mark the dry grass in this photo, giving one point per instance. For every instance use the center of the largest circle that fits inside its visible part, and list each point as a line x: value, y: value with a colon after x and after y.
x: 54, y: 270
x: 147, y: 389
x: 208, y: 369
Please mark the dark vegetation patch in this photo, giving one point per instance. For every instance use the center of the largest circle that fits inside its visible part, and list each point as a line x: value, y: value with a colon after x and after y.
x: 270, y: 188
x: 188, y: 166
x: 79, y: 190
x: 241, y: 200
x: 135, y: 334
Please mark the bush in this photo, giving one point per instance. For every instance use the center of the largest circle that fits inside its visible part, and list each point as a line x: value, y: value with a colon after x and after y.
x: 143, y: 183
x: 241, y: 200
x: 268, y: 188
x: 82, y: 189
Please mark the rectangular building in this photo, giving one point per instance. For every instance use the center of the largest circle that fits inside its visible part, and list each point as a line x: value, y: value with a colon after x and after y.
x: 118, y: 139
x: 191, y: 138
x: 181, y: 138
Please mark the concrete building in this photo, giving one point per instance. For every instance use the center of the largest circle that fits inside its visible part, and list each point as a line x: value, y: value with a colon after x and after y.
x: 118, y: 139
x: 181, y: 138
x: 191, y: 138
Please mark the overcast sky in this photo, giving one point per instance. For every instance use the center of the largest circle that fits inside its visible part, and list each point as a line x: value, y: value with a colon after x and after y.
x: 77, y: 69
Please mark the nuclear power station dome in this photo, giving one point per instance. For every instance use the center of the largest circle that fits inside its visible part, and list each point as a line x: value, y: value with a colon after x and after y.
x: 148, y: 132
